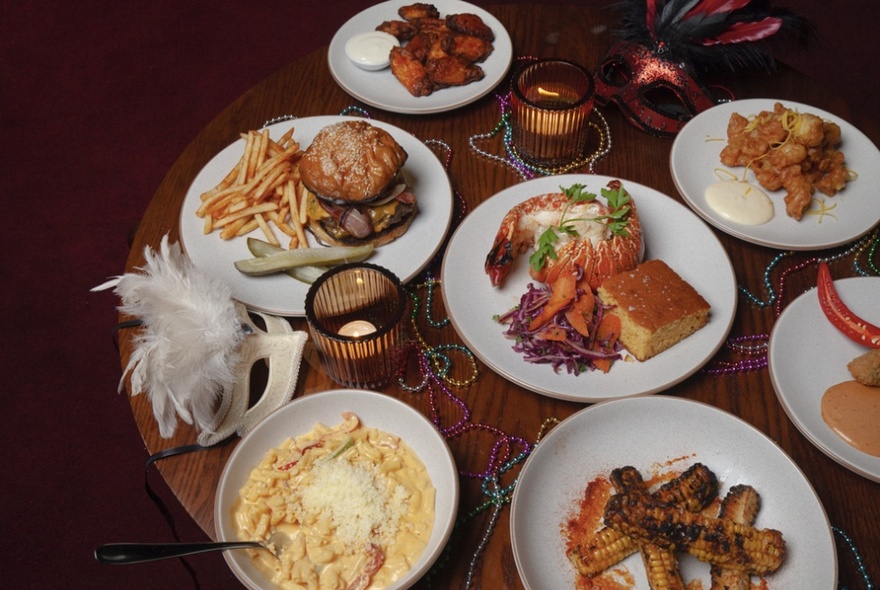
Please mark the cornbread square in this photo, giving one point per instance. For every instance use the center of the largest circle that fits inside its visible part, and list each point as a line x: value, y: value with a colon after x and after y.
x: 656, y: 307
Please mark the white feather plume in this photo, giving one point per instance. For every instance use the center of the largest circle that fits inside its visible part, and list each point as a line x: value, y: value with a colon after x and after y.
x: 186, y: 355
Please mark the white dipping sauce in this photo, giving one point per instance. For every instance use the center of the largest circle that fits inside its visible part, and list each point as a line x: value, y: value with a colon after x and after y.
x: 371, y: 50
x: 740, y: 202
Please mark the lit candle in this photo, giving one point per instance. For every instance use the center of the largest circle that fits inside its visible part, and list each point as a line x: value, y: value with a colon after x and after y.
x: 357, y: 328
x: 551, y: 104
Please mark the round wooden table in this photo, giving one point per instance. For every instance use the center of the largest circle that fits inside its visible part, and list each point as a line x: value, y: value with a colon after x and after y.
x: 852, y: 502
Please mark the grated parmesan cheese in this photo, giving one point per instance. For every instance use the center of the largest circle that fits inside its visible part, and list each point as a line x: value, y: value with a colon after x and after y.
x: 360, y: 504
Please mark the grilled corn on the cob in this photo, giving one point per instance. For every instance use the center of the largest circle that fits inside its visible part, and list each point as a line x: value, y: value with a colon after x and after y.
x: 695, y: 489
x: 741, y: 504
x: 718, y: 541
x: 661, y: 566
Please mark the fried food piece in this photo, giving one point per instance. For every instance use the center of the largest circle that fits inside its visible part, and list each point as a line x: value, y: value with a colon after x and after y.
x: 450, y: 70
x: 713, y: 540
x: 799, y: 194
x: 411, y: 72
x: 788, y: 150
x: 402, y: 30
x: 865, y: 368
x: 439, y: 52
x: 468, y: 47
x: 418, y: 10
x: 470, y: 24
x: 741, y: 504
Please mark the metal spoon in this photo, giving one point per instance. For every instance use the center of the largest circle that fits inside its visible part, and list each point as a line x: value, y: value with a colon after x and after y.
x: 127, y: 553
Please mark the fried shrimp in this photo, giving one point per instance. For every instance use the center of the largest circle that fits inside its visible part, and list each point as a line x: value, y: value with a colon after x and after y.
x: 788, y: 150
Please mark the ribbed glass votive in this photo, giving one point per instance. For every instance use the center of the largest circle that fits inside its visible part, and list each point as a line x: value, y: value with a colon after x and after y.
x: 551, y: 101
x: 356, y: 315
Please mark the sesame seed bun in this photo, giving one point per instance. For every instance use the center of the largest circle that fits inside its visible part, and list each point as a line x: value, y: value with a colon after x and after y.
x: 351, y: 162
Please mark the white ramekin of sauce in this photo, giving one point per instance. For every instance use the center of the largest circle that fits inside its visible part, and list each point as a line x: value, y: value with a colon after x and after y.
x: 371, y: 50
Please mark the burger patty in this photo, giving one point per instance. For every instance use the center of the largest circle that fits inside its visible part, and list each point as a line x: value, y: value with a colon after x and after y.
x: 354, y: 224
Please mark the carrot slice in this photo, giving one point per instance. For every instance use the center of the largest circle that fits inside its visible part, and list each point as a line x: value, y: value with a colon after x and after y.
x: 607, y: 333
x: 562, y: 291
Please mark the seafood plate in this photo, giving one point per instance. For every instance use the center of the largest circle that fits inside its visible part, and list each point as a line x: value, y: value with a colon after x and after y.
x: 669, y: 231
x: 696, y: 158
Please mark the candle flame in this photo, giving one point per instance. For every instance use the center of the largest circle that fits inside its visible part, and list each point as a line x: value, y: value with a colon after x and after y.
x: 549, y: 93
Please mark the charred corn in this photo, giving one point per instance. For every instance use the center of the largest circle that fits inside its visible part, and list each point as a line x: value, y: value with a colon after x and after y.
x: 693, y: 490
x: 661, y: 566
x: 600, y: 551
x: 741, y: 504
x: 722, y: 542
x: 626, y: 478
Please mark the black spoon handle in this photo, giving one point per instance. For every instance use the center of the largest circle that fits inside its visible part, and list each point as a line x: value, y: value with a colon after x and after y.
x: 126, y: 553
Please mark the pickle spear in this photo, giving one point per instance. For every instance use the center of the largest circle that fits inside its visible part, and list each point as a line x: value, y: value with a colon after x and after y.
x: 306, y: 274
x: 286, y: 260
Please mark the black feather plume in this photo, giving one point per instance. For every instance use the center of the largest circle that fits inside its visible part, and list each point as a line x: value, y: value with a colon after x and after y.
x: 711, y: 34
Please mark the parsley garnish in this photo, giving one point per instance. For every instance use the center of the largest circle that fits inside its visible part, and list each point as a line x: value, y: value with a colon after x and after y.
x: 616, y: 220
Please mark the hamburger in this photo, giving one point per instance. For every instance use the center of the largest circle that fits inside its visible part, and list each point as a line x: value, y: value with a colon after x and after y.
x: 357, y: 193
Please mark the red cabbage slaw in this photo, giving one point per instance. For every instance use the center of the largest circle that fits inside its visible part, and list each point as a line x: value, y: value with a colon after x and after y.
x: 575, y: 353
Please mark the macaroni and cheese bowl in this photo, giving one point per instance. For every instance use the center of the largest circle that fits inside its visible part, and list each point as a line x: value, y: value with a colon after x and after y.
x: 293, y: 425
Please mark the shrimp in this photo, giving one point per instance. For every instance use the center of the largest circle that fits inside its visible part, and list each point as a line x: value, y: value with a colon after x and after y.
x: 593, y: 254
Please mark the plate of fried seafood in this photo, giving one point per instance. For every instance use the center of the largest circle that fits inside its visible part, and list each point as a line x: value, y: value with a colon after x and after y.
x: 450, y: 53
x: 670, y: 233
x: 802, y: 373
x: 589, y: 501
x: 283, y: 295
x: 778, y: 173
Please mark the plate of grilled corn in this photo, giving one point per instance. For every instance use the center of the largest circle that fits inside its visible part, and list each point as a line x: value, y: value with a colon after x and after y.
x: 663, y: 492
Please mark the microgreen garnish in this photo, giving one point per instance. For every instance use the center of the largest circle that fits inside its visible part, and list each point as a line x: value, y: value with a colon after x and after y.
x: 616, y: 220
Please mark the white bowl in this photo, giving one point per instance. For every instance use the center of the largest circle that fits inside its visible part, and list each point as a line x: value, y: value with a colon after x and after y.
x: 375, y: 410
x: 371, y: 50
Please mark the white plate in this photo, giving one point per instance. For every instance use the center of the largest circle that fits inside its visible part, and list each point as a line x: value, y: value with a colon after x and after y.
x: 695, y: 158
x: 375, y: 410
x: 671, y: 233
x: 807, y: 355
x: 281, y: 295
x: 381, y: 89
x: 648, y: 433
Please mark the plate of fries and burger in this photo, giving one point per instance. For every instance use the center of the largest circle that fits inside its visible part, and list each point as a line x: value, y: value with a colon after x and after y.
x: 778, y: 173
x: 439, y: 56
x: 279, y: 205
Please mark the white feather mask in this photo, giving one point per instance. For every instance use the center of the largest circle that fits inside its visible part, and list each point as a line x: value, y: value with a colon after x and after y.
x: 189, y: 356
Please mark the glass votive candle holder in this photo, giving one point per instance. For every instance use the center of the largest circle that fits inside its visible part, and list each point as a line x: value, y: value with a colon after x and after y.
x: 551, y: 101
x: 356, y: 315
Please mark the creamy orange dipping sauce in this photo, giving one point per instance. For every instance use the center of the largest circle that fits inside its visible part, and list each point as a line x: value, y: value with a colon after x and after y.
x: 852, y: 411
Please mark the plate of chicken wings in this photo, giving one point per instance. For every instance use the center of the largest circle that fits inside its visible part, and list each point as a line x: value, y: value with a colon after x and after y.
x: 697, y: 162
x: 451, y: 53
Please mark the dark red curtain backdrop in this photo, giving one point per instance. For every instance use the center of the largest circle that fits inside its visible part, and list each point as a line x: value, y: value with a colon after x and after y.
x: 97, y: 99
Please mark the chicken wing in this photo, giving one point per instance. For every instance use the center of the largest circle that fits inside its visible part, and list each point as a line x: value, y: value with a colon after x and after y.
x: 452, y: 71
x: 418, y: 10
x: 410, y: 72
x: 470, y: 24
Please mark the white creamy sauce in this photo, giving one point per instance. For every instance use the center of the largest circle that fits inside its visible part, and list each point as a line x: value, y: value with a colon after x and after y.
x: 371, y: 50
x: 740, y: 202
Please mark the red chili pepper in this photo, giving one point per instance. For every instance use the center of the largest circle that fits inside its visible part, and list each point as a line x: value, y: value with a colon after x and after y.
x: 852, y: 326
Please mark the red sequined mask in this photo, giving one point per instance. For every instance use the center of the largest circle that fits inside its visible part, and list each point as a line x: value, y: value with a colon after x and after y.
x: 656, y: 94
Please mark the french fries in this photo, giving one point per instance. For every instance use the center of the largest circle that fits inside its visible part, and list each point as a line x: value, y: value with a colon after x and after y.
x: 263, y: 190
